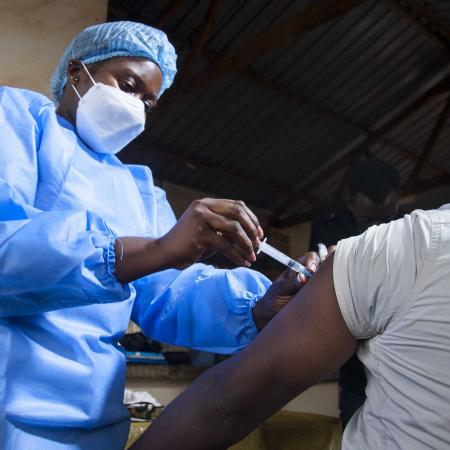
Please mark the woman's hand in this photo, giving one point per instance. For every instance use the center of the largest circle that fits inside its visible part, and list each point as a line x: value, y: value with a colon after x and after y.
x: 208, y: 225
x: 226, y: 226
x: 282, y: 290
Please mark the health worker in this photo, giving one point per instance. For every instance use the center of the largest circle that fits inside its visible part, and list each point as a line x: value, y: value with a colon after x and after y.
x: 86, y: 243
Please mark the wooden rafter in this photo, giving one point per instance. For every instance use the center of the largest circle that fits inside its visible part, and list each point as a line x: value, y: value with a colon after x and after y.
x: 141, y: 151
x: 428, y: 148
x: 297, y: 97
x: 306, y: 103
x: 421, y: 187
x: 431, y: 183
x: 223, y: 62
x: 204, y: 33
x: 438, y: 89
x: 314, y: 15
x: 408, y: 154
x: 425, y: 19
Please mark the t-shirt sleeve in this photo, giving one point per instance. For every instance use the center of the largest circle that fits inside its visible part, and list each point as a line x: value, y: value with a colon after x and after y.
x: 374, y: 273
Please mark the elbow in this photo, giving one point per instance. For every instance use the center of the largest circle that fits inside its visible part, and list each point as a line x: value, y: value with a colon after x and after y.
x: 227, y: 413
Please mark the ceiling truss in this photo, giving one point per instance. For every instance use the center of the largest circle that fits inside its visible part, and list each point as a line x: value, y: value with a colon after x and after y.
x: 239, y: 60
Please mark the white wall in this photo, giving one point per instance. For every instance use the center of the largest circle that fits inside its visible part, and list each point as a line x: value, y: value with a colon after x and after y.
x: 34, y: 33
x: 319, y: 399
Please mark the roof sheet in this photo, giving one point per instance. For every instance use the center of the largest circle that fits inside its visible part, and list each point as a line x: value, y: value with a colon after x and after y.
x: 272, y: 130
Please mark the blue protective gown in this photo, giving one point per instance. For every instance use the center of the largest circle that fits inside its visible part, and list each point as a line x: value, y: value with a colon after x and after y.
x: 62, y: 310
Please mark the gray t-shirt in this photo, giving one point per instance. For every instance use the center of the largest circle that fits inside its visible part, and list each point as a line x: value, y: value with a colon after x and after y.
x: 393, y: 288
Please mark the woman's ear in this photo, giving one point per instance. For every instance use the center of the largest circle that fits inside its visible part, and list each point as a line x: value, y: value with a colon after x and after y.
x: 74, y: 71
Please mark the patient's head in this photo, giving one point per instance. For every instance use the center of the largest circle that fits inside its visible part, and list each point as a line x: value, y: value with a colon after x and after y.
x: 373, y: 192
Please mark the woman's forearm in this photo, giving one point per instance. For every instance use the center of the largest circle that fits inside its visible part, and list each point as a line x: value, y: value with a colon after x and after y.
x: 137, y: 257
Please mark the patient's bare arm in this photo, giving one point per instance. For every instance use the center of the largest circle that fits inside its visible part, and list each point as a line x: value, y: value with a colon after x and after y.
x: 306, y: 341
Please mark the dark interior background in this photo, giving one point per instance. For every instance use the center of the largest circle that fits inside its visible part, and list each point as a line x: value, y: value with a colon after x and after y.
x: 273, y: 99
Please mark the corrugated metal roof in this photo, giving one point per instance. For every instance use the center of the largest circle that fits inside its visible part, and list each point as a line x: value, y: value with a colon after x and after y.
x: 264, y: 132
x: 441, y: 7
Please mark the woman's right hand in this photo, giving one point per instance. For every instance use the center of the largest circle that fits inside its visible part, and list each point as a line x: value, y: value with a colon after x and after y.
x: 209, y: 224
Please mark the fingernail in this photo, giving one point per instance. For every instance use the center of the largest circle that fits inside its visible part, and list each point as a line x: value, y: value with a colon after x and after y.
x: 313, y: 267
x: 258, y: 242
x: 247, y: 263
x: 253, y: 257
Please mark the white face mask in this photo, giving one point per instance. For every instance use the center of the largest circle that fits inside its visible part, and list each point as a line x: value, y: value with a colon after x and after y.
x: 108, y: 118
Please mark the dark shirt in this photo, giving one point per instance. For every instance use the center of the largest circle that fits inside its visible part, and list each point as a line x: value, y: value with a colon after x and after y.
x: 331, y: 230
x: 352, y: 380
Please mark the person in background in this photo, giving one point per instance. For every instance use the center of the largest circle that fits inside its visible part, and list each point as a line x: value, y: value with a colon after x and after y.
x: 373, y: 193
x: 86, y: 243
x: 386, y: 293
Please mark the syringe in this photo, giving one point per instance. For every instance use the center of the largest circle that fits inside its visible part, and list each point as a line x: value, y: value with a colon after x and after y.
x: 283, y: 259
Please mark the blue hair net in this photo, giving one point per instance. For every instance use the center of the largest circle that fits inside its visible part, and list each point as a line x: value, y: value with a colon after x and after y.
x: 108, y: 40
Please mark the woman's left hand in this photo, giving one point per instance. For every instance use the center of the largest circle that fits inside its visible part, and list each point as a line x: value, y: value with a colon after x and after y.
x: 282, y: 290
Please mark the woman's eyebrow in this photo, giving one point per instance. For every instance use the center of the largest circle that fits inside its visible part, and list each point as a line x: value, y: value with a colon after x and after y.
x: 130, y: 72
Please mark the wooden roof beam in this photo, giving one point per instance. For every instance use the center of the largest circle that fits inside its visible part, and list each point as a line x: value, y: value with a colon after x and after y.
x: 431, y: 183
x: 303, y: 101
x: 425, y: 19
x: 438, y: 89
x: 307, y: 103
x: 428, y: 148
x: 439, y: 170
x: 258, y: 183
x: 316, y: 14
x: 313, y: 16
x: 204, y: 32
x: 420, y: 188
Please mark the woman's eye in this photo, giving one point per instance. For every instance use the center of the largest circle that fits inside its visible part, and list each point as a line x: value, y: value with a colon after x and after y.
x: 126, y: 86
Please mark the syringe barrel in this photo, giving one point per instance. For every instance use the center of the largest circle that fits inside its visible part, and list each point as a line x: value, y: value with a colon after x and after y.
x: 274, y: 253
x: 299, y: 268
x: 283, y: 259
